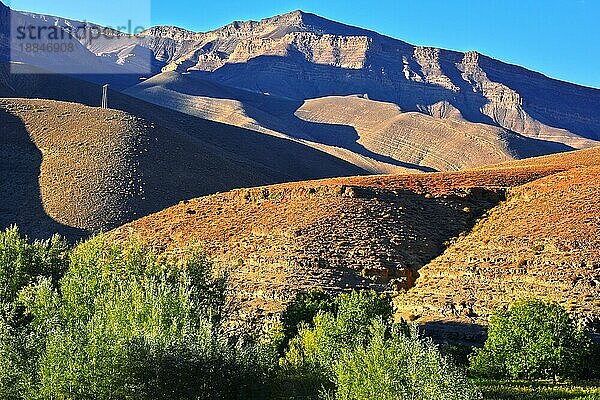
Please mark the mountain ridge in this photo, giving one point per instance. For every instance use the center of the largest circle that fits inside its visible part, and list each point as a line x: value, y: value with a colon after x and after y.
x: 268, y: 70
x: 299, y: 19
x: 292, y: 57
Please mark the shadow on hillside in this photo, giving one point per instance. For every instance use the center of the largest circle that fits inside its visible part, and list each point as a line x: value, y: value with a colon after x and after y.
x: 306, y: 80
x: 296, y: 77
x: 57, y: 87
x: 455, y: 332
x: 279, y: 114
x: 188, y: 157
x: 20, y: 198
x: 528, y: 147
x: 284, y: 158
x: 456, y: 339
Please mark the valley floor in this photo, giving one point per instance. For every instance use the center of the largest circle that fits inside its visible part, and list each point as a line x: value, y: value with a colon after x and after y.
x: 534, y: 390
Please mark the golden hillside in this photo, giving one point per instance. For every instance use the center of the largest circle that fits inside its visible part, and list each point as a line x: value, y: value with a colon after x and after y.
x: 75, y: 169
x: 380, y: 232
x: 544, y: 241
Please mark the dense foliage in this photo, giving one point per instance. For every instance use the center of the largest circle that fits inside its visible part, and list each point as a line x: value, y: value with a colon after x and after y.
x: 357, y: 353
x: 109, y: 320
x: 530, y: 340
x: 22, y: 262
x: 304, y: 309
x: 398, y: 365
x: 122, y: 323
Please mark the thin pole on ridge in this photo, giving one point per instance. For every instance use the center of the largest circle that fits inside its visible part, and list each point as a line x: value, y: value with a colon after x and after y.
x: 105, y: 96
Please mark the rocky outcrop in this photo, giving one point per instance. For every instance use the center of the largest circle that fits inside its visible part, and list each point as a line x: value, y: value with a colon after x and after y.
x: 431, y: 71
x: 542, y: 242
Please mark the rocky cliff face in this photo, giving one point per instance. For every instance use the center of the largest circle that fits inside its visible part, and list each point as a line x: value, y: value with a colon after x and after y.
x: 300, y: 55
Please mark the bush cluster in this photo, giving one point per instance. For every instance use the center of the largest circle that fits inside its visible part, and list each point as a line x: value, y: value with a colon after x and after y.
x: 121, y: 323
x: 356, y: 352
x: 108, y: 320
x: 533, y: 339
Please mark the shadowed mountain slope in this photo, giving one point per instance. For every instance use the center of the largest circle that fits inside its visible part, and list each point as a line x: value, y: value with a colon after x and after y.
x: 262, y: 72
x: 20, y: 164
x: 101, y: 168
x: 376, y: 136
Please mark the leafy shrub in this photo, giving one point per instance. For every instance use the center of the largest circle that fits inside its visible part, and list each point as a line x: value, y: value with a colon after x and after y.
x: 18, y: 352
x: 318, y: 345
x: 21, y: 263
x: 532, y: 339
x: 308, y: 363
x: 356, y: 311
x: 401, y: 366
x: 341, y: 351
x: 132, y: 324
x: 124, y: 323
x: 303, y: 309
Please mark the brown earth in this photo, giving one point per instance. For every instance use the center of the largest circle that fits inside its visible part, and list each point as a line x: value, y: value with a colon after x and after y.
x: 73, y: 169
x: 544, y: 241
x: 383, y: 232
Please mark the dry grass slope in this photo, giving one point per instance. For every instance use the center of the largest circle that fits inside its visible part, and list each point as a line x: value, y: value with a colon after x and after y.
x: 544, y: 241
x: 98, y: 169
x: 379, y: 232
x: 92, y: 169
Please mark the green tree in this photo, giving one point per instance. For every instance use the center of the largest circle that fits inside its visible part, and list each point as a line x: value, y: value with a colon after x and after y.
x: 123, y: 322
x: 23, y: 263
x: 318, y: 345
x: 308, y: 362
x: 302, y: 310
x: 398, y: 365
x: 532, y: 339
x: 357, y: 353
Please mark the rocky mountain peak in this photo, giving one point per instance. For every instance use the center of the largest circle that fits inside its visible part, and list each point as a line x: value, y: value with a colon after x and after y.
x: 296, y: 21
x: 170, y: 32
x: 295, y: 17
x: 308, y: 22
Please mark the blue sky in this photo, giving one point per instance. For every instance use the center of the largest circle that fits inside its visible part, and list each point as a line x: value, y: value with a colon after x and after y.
x: 556, y: 37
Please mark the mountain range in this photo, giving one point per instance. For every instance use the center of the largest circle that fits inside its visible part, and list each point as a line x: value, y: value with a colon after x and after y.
x: 254, y: 140
x: 377, y: 102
